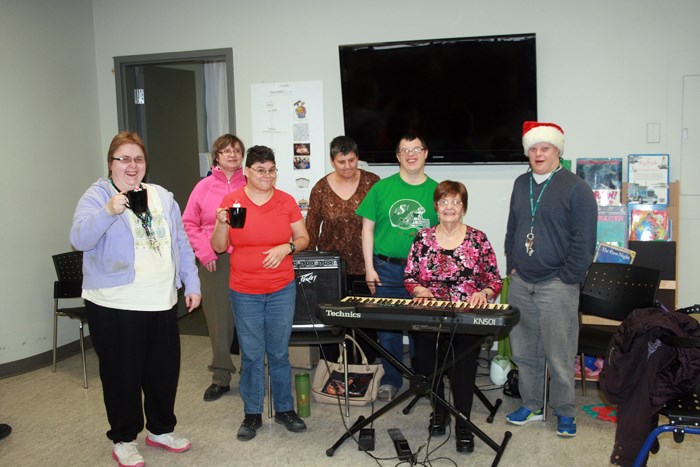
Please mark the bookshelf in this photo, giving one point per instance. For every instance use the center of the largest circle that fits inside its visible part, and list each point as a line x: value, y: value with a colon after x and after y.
x: 657, y: 255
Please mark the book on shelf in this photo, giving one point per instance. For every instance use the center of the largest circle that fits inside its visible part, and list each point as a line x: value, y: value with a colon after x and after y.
x: 648, y: 222
x: 604, y: 176
x: 606, y: 253
x: 612, y: 225
x: 647, y: 175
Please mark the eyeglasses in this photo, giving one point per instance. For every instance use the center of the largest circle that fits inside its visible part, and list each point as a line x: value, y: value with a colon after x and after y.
x: 129, y: 159
x: 229, y: 151
x: 447, y: 202
x: 261, y: 172
x: 405, y: 151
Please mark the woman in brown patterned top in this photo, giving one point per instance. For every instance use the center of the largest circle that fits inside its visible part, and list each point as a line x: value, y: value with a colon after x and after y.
x: 331, y: 219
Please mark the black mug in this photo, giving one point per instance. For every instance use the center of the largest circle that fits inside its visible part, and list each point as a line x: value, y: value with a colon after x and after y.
x: 137, y: 200
x: 236, y: 217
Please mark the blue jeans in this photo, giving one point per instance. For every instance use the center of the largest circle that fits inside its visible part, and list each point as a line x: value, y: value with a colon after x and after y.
x: 391, y: 277
x: 548, y: 329
x: 264, y: 324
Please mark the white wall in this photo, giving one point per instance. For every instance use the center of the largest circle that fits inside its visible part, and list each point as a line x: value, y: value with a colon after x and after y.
x: 51, y: 151
x: 603, y: 74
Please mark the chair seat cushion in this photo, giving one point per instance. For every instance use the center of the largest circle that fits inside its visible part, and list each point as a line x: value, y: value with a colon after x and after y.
x: 74, y: 313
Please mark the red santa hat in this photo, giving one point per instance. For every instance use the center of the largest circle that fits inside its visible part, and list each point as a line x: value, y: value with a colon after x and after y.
x: 541, y: 132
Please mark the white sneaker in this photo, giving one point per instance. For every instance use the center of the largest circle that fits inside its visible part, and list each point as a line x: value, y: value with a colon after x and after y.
x: 386, y: 392
x: 169, y: 441
x: 127, y: 454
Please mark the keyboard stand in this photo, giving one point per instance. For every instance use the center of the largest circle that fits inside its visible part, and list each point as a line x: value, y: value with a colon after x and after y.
x: 492, y: 408
x: 420, y: 385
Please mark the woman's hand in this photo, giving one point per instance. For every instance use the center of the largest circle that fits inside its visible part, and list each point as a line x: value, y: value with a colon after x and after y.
x: 116, y: 204
x: 210, y: 266
x: 192, y: 301
x: 421, y: 293
x: 478, y: 299
x: 221, y: 216
x: 275, y: 255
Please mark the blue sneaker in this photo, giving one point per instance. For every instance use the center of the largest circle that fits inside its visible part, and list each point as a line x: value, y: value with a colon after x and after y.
x: 566, y: 426
x: 524, y: 415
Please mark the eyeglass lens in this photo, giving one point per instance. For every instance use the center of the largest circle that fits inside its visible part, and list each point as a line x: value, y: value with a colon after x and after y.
x: 130, y: 159
x: 405, y: 151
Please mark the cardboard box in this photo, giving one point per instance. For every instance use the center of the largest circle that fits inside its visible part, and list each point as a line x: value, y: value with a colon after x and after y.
x: 304, y: 356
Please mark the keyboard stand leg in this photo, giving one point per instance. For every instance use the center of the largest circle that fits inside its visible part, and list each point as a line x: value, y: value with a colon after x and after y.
x: 420, y: 385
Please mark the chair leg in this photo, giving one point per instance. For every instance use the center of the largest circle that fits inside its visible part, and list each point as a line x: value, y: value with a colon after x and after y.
x: 55, y: 338
x: 82, y: 352
x: 269, y: 390
x: 546, y: 390
x: 581, y: 363
x: 345, y: 371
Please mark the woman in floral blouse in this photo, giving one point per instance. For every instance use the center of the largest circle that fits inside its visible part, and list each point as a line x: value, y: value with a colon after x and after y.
x: 331, y: 219
x: 455, y: 262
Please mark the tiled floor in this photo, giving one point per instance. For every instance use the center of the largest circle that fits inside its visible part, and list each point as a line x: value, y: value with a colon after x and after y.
x: 58, y: 423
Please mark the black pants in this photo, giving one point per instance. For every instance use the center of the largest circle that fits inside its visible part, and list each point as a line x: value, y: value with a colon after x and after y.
x: 139, y: 351
x: 462, y: 375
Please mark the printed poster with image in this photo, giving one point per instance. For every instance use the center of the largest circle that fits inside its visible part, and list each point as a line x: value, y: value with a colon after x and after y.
x: 288, y: 118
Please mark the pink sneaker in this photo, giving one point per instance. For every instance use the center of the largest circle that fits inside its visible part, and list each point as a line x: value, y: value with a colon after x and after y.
x: 169, y: 441
x: 127, y: 454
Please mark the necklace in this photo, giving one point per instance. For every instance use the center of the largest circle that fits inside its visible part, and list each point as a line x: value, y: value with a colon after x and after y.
x: 530, y: 237
x: 146, y: 219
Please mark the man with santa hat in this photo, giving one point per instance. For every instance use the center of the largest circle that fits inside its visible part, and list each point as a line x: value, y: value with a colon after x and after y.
x: 550, y: 241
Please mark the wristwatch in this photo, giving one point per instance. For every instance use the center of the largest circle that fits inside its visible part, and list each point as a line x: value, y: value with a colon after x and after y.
x: 293, y: 247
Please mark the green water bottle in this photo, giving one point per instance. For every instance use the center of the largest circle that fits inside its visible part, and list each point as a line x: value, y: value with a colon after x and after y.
x: 303, y: 386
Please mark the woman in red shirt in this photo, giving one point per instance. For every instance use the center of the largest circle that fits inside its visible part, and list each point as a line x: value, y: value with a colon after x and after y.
x: 263, y: 292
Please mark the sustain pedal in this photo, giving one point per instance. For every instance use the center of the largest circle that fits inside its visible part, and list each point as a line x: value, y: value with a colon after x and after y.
x: 403, y: 450
x: 366, y: 442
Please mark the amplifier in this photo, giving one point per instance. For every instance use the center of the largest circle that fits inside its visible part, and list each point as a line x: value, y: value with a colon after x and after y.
x: 319, y: 277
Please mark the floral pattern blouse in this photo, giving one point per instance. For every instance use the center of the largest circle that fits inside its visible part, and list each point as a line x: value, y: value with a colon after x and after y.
x: 452, y: 274
x: 333, y: 224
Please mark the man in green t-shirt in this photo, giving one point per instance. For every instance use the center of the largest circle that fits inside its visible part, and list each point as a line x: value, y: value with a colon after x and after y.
x: 392, y: 212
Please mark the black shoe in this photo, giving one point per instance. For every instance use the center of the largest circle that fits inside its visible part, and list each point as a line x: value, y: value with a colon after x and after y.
x: 5, y: 430
x: 464, y: 439
x: 291, y: 421
x: 438, y: 422
x: 215, y: 391
x: 249, y: 427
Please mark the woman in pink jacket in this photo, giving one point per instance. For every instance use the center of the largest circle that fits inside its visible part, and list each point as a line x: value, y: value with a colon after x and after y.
x: 199, y: 219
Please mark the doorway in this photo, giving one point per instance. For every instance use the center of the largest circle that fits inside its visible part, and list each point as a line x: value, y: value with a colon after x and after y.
x: 178, y: 102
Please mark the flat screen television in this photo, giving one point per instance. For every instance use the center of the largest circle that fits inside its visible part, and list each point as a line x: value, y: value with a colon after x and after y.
x: 467, y: 97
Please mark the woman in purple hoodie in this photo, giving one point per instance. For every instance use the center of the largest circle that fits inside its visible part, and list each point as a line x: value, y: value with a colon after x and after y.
x: 199, y: 219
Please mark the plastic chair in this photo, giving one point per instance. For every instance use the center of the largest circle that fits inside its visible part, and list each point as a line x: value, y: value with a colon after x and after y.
x: 611, y: 291
x: 69, y: 270
x: 684, y: 412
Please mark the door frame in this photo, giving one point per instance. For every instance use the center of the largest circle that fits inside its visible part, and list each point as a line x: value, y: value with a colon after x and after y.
x: 122, y: 62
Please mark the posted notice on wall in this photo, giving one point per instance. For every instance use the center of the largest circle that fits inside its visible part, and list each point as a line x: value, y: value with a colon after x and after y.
x: 288, y: 117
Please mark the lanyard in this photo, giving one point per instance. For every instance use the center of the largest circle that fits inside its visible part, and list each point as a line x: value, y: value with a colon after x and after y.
x: 535, y: 204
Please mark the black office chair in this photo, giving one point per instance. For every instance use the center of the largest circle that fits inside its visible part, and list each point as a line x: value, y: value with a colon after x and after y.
x: 611, y: 291
x: 69, y: 270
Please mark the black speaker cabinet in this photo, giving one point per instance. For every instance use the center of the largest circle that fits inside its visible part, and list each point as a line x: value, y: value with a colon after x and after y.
x: 319, y: 277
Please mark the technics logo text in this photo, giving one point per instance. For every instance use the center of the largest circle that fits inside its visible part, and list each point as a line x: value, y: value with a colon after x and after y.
x: 343, y: 314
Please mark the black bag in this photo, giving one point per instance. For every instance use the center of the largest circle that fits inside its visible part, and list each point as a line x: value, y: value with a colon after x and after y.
x: 510, y: 388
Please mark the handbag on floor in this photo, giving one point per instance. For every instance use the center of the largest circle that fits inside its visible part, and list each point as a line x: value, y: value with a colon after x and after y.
x: 363, y: 380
